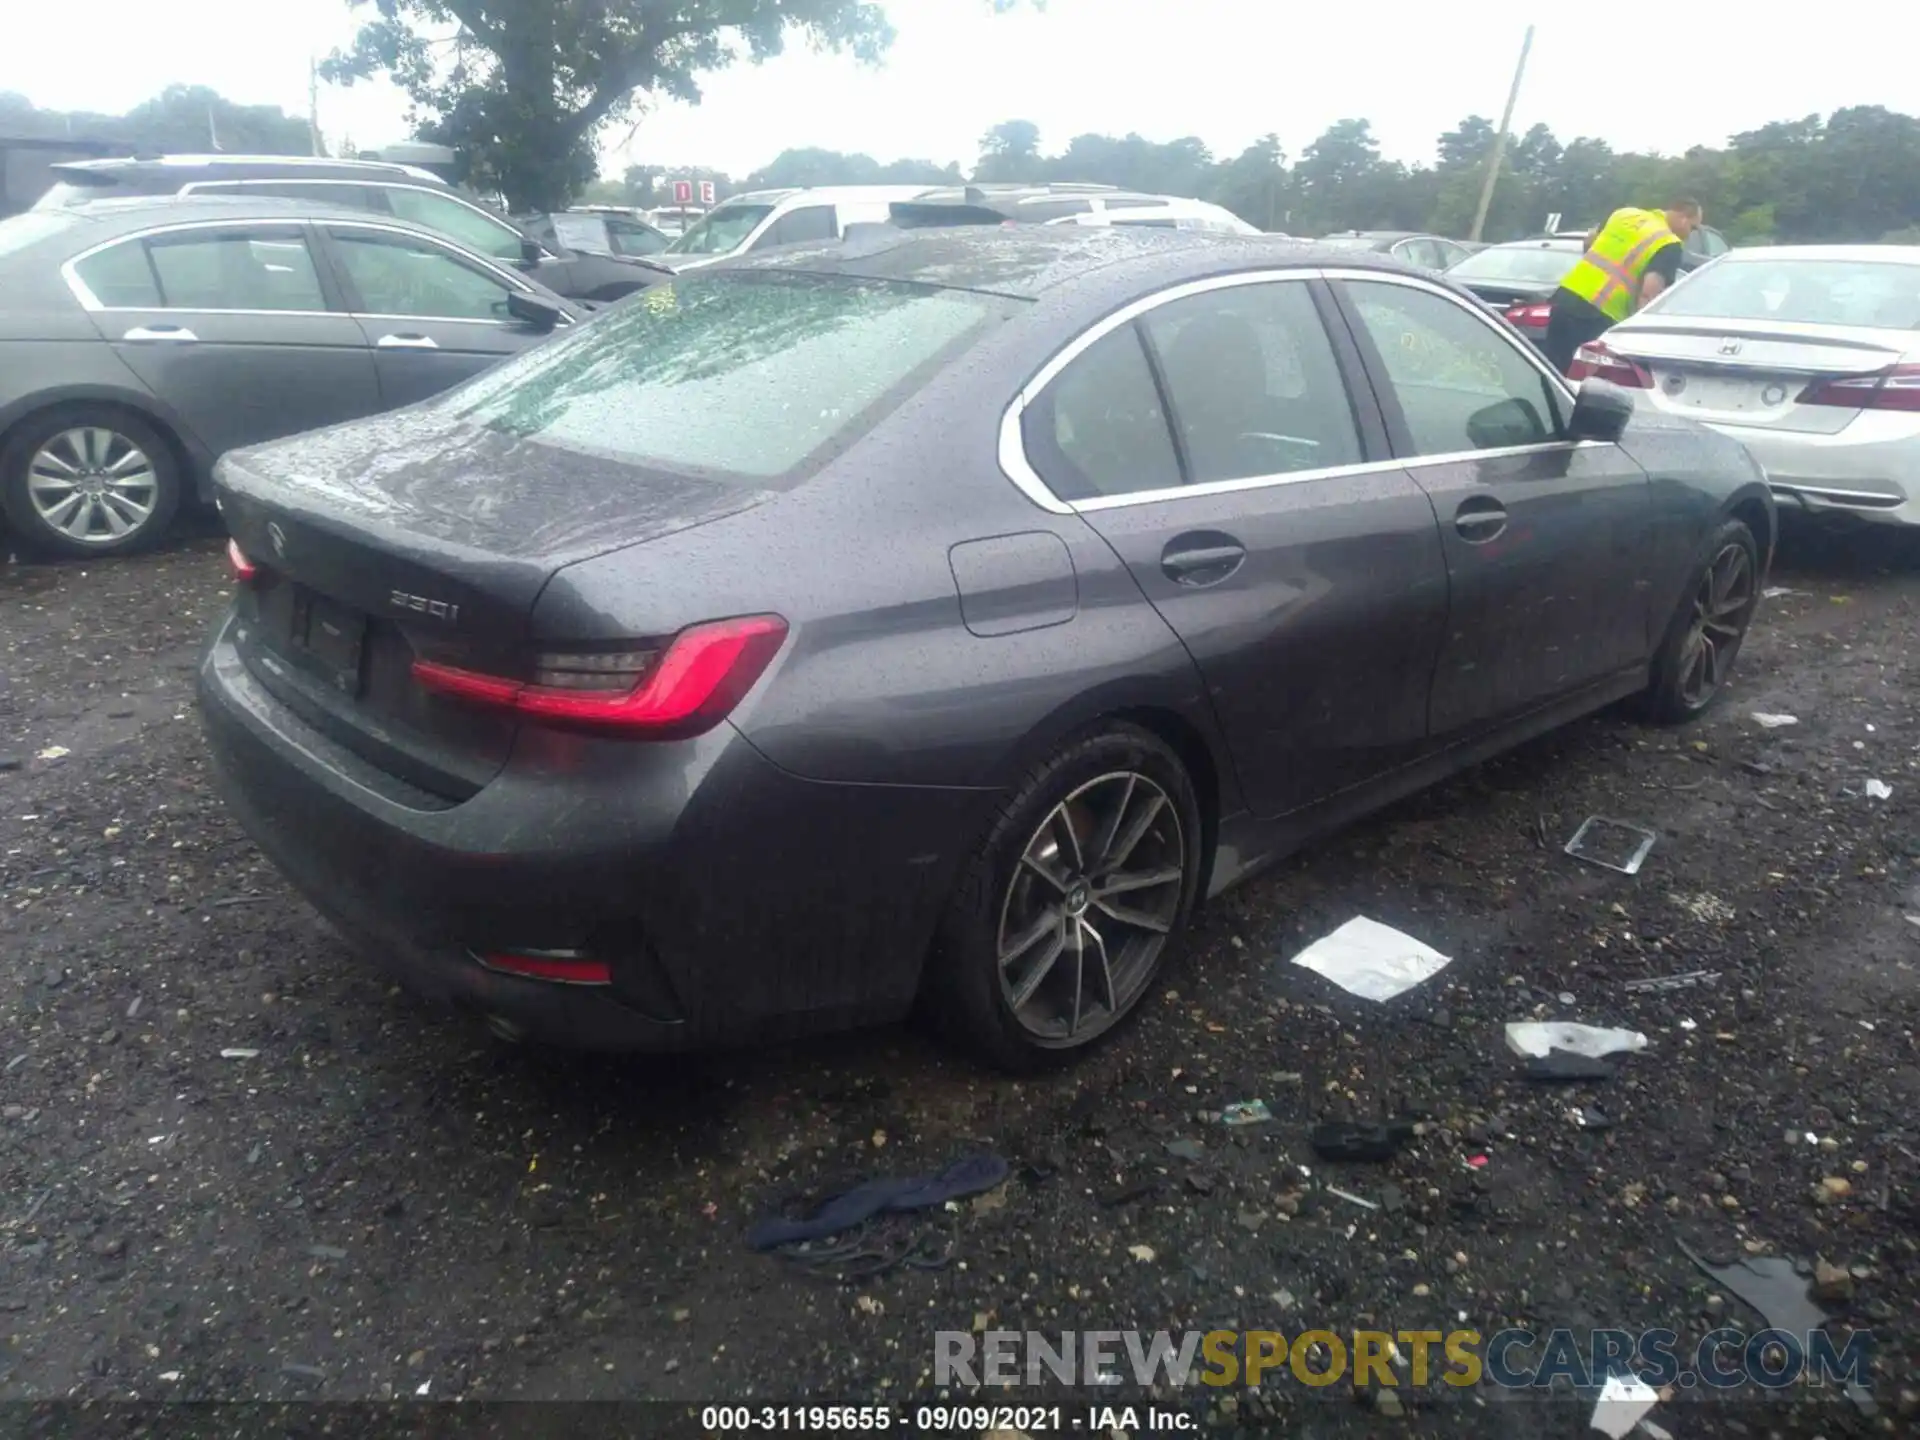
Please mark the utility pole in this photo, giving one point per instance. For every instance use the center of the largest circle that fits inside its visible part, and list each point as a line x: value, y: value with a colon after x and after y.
x: 313, y: 106
x: 1500, y: 141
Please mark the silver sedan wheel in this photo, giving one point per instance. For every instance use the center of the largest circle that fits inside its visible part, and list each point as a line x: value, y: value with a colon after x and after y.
x: 1090, y: 907
x: 93, y: 485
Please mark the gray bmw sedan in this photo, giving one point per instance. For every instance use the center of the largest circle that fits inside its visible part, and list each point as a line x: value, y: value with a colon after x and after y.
x: 936, y: 617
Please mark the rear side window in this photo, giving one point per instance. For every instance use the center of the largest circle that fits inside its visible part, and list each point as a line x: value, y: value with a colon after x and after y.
x: 1099, y: 428
x: 755, y: 376
x: 1254, y: 382
x: 121, y: 278
x: 207, y: 270
x: 456, y: 220
x: 797, y: 227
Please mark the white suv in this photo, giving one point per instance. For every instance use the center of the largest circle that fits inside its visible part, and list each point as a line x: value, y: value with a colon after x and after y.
x: 763, y: 219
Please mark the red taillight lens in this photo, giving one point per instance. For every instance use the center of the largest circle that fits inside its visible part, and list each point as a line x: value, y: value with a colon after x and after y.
x: 686, y: 689
x: 1595, y: 361
x: 1532, y: 316
x: 562, y: 967
x: 243, y: 568
x: 1897, y: 388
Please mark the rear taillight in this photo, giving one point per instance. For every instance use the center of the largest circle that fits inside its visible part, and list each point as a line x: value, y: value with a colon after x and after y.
x: 1594, y: 361
x: 1531, y: 316
x: 1897, y: 388
x: 243, y: 568
x: 684, y: 688
x: 561, y: 967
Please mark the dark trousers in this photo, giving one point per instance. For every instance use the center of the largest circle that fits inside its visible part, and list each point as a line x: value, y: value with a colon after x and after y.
x: 1571, y: 323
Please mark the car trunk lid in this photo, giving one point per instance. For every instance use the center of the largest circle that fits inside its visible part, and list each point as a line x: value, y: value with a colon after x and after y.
x: 1755, y: 374
x: 417, y: 536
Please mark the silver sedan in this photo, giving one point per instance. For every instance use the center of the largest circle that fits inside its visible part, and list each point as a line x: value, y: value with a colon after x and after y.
x: 1808, y: 355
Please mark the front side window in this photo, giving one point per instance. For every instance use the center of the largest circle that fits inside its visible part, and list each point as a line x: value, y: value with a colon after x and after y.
x: 1461, y: 385
x: 396, y: 275
x: 473, y: 228
x: 250, y: 269
x: 1253, y: 382
x: 630, y: 238
x: 754, y: 376
x: 1099, y: 428
x: 798, y: 227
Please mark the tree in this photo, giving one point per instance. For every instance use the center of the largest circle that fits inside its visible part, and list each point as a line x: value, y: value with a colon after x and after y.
x: 1009, y: 151
x: 522, y: 87
x: 182, y: 119
x: 800, y: 168
x: 1332, y: 174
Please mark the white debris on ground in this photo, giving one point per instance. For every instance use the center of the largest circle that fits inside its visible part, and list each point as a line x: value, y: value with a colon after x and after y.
x: 1371, y: 960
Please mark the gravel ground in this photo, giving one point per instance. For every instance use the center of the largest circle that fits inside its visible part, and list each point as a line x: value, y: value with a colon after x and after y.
x: 375, y: 1198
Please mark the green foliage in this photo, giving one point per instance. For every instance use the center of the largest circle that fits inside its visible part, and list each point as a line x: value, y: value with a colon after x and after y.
x: 523, y: 87
x: 182, y: 119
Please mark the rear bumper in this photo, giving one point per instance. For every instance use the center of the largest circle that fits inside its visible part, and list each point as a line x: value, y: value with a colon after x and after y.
x: 1871, y: 469
x: 732, y: 901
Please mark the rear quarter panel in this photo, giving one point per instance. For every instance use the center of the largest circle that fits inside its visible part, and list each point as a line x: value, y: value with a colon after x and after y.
x: 881, y: 680
x: 1699, y: 479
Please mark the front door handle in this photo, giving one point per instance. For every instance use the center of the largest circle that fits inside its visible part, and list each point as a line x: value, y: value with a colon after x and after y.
x: 175, y: 333
x: 1479, y: 520
x: 407, y: 342
x: 1203, y: 559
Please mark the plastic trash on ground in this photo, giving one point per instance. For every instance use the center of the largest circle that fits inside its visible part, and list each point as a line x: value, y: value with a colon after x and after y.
x: 1614, y: 844
x: 1878, y: 790
x: 1246, y: 1112
x: 1774, y: 722
x: 1371, y: 960
x: 1623, y: 1400
x: 1540, y: 1038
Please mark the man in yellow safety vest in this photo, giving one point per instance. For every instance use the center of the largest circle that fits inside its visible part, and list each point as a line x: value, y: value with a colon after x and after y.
x: 1629, y: 260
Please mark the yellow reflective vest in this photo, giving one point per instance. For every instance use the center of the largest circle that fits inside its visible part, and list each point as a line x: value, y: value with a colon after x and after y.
x: 1608, y: 275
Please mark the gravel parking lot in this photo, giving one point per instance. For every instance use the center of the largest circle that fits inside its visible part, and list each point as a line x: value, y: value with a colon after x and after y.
x: 236, y: 1163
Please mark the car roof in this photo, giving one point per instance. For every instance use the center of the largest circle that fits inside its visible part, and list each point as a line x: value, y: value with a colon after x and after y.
x: 125, y: 215
x: 245, y: 167
x: 1538, y: 242
x: 1891, y: 254
x: 1028, y: 261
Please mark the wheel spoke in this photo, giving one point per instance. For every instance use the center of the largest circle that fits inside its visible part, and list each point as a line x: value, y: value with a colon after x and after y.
x: 1029, y: 862
x: 1062, y: 820
x: 115, y: 522
x: 130, y: 510
x: 1079, y: 977
x: 96, y: 446
x: 130, y: 464
x: 61, y: 515
x: 53, y: 466
x: 1121, y: 883
x: 1041, y: 968
x: 1103, y: 847
x: 1126, y: 915
x: 1026, y: 939
x: 1136, y: 831
x: 1106, y: 965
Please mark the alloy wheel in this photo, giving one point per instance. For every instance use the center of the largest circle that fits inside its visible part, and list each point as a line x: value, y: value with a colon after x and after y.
x: 92, y: 485
x: 1722, y: 605
x: 1090, y: 906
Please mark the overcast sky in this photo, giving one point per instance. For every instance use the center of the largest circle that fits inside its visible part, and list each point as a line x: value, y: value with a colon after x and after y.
x: 1225, y: 70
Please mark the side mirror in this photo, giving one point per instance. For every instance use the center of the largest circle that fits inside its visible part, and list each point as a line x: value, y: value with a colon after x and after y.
x: 532, y: 252
x: 533, y: 312
x: 1506, y: 423
x: 1601, y: 411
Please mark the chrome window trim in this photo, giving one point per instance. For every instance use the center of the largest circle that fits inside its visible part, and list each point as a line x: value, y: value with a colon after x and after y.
x: 1015, y: 465
x: 90, y: 302
x: 373, y: 182
x: 70, y: 272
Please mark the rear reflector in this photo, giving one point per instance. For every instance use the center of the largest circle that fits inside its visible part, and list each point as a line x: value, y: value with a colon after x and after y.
x: 561, y: 967
x: 243, y: 568
x: 1897, y: 388
x: 1595, y: 361
x: 684, y: 689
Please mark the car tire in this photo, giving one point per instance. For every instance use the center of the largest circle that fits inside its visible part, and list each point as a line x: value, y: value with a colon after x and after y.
x: 125, y: 475
x: 1058, y: 928
x: 1697, y: 654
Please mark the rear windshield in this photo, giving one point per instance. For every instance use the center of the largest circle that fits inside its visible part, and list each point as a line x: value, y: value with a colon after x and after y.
x: 1528, y: 264
x: 1876, y: 294
x: 752, y: 376
x: 722, y: 232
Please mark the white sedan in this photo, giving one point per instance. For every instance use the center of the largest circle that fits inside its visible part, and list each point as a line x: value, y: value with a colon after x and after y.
x: 1807, y: 355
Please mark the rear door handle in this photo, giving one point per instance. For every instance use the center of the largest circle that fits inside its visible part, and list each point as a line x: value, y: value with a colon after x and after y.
x: 160, y: 332
x: 407, y: 342
x: 1197, y: 560
x: 1480, y: 521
